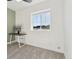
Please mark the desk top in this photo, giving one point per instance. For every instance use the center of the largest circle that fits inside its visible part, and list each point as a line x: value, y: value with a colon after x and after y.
x: 17, y: 34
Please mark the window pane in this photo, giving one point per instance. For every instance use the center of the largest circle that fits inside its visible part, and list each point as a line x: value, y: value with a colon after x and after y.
x: 45, y: 20
x: 41, y: 20
x: 36, y: 21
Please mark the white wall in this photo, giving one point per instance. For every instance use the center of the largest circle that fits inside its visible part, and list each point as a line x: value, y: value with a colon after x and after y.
x: 68, y: 28
x: 50, y: 40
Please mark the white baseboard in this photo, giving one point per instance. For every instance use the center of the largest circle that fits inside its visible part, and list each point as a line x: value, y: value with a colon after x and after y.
x: 11, y: 42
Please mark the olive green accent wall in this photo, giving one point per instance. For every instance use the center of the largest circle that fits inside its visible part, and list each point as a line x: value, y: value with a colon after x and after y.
x: 10, y: 22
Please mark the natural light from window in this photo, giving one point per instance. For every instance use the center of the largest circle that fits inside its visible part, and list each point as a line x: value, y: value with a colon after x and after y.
x: 41, y: 20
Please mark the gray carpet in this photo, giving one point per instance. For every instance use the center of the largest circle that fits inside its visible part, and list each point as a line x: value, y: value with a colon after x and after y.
x: 30, y: 52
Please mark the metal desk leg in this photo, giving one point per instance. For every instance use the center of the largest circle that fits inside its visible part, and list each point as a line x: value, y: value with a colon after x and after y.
x: 10, y: 38
x: 24, y: 39
x: 19, y: 42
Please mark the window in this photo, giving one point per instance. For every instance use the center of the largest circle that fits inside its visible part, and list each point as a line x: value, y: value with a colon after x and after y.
x: 41, y: 20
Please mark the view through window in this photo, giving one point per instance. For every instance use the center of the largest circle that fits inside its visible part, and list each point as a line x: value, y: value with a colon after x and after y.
x: 41, y: 20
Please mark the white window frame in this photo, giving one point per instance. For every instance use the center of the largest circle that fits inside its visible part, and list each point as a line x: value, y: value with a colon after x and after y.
x: 40, y: 11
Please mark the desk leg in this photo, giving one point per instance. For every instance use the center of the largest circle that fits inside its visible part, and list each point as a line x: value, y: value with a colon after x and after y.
x: 19, y: 42
x: 24, y: 40
x: 10, y: 38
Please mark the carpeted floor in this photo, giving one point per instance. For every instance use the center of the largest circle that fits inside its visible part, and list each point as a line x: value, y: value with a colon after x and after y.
x: 30, y: 52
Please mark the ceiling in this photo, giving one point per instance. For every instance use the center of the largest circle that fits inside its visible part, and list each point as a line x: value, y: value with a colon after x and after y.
x: 14, y: 5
